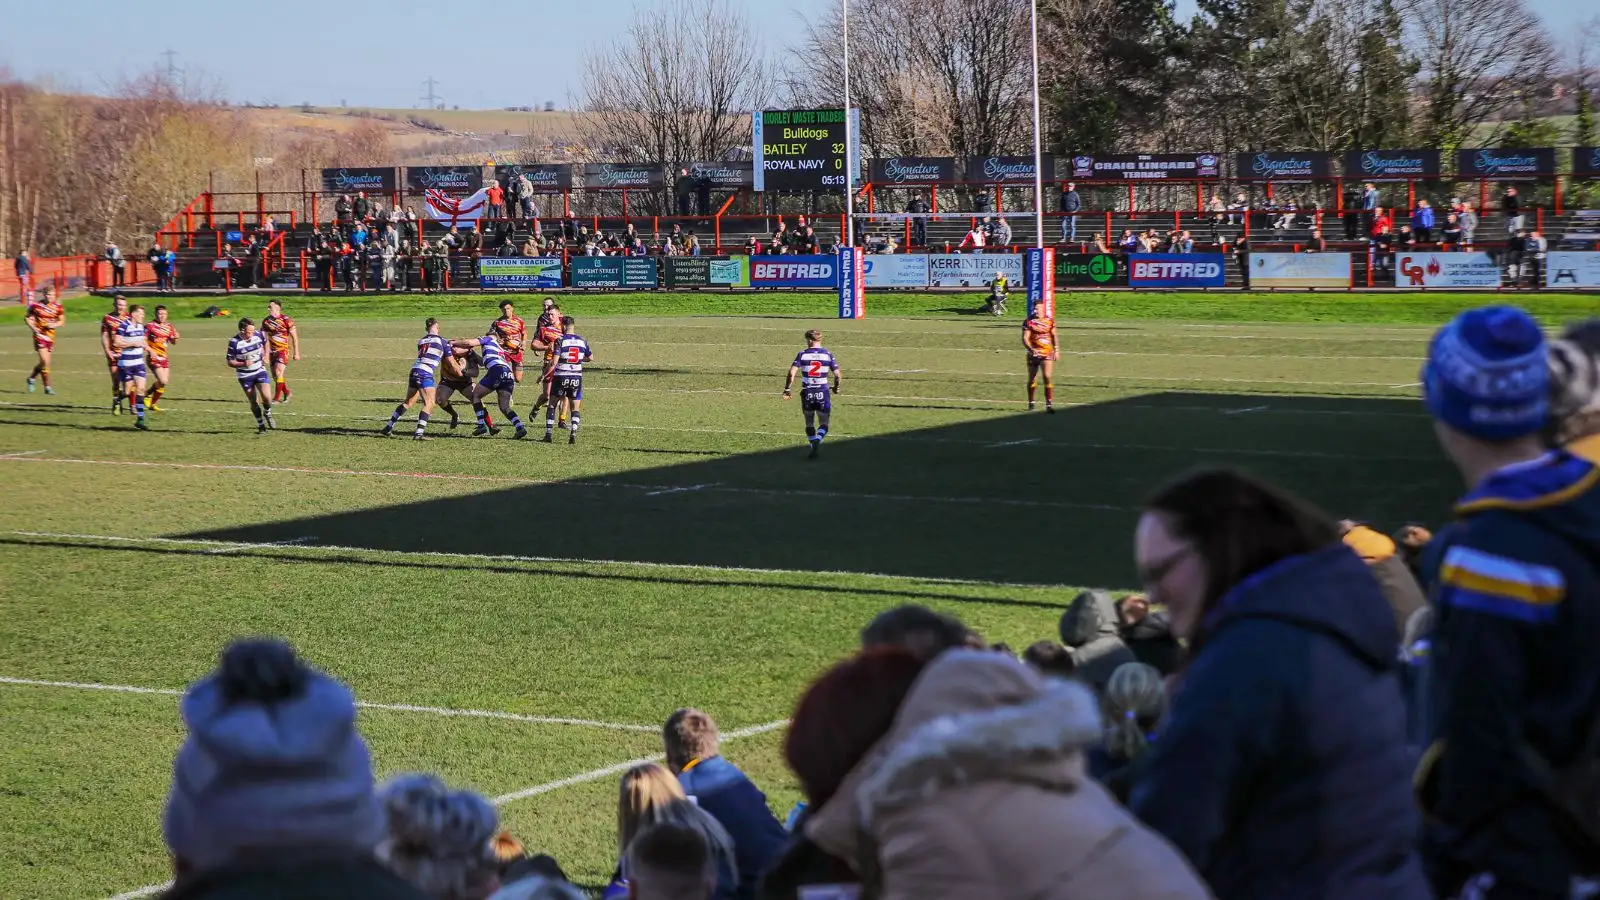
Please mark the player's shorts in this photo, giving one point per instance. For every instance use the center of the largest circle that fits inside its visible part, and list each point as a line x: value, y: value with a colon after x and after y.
x: 248, y: 382
x: 459, y: 385
x: 43, y: 343
x: 129, y: 373
x: 568, y: 386
x: 1036, y: 358
x: 420, y: 380
x: 816, y: 399
x: 160, y: 362
x: 499, y: 379
x: 514, y: 358
x: 280, y: 357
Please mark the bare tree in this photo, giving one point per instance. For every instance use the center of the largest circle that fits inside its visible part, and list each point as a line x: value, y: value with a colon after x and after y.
x: 676, y: 88
x: 1476, y: 61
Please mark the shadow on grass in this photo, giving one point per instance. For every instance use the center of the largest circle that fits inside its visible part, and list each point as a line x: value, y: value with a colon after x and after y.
x: 1014, y: 498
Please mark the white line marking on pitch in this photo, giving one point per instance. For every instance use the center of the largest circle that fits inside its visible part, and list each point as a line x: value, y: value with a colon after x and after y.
x: 486, y: 557
x: 536, y: 790
x: 680, y: 490
x: 292, y: 542
x: 1015, y: 443
x: 1247, y: 409
x: 608, y: 485
x: 21, y: 453
x: 383, y: 707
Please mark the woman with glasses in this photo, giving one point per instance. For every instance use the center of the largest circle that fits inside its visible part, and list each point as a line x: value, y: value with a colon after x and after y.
x: 1282, y: 770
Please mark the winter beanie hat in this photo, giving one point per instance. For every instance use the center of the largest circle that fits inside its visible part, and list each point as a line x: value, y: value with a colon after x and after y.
x: 1487, y: 374
x: 272, y: 760
x: 1575, y: 382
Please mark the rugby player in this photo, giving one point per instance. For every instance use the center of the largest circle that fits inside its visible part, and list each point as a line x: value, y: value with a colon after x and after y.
x: 283, y: 337
x: 108, y: 330
x: 44, y: 316
x: 431, y: 350
x: 546, y: 337
x: 456, y: 372
x: 247, y: 354
x: 566, y: 384
x: 129, y: 345
x: 511, y: 332
x: 159, y: 335
x: 1039, y: 340
x: 812, y: 366
x: 497, y: 378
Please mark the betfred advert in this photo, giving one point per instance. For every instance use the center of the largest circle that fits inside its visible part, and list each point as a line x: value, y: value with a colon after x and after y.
x: 794, y: 271
x: 1177, y: 270
x: 1446, y: 270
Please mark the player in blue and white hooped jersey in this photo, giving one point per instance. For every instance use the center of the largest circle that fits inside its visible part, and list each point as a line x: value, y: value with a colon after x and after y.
x: 498, y: 378
x: 128, y: 343
x: 566, y: 380
x: 247, y: 356
x: 431, y: 349
x: 813, y: 366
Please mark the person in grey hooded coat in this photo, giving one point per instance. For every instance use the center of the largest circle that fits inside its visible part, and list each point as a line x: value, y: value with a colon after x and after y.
x: 1089, y: 629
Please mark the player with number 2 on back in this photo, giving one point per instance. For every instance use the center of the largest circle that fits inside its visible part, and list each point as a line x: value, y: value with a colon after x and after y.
x: 813, y: 366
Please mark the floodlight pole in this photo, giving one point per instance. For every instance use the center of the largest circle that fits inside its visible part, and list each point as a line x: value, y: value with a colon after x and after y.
x: 849, y: 179
x: 1038, y: 155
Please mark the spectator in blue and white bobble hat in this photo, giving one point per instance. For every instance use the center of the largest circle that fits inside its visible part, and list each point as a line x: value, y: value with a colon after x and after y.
x: 272, y: 790
x: 1513, y: 673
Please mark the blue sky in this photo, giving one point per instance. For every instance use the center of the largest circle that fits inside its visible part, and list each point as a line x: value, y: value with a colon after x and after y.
x: 374, y: 52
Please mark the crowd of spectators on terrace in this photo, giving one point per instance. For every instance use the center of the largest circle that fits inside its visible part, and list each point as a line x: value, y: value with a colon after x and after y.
x: 1247, y: 726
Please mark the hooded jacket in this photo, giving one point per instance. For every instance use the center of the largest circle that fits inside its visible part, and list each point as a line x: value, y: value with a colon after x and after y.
x: 1517, y: 597
x: 718, y: 787
x: 1089, y: 629
x: 1281, y: 770
x: 980, y: 792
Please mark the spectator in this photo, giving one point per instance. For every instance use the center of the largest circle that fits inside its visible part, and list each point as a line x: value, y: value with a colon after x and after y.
x: 358, y: 236
x: 154, y: 257
x: 693, y: 247
x: 1511, y: 207
x: 1089, y: 629
x: 919, y: 631
x: 1422, y: 222
x: 1241, y: 258
x: 1099, y: 244
x: 1050, y: 658
x: 1383, y: 560
x: 1450, y: 234
x: 837, y: 722
x: 1506, y: 783
x: 525, y: 195
x: 1516, y: 247
x: 1349, y: 204
x: 387, y: 266
x: 272, y: 790
x: 1317, y: 244
x: 1071, y: 203
x: 1238, y: 208
x: 361, y: 207
x: 651, y: 795
x: 982, y: 203
x: 1469, y: 225
x: 118, y: 265
x: 684, y: 185
x: 508, y: 249
x: 1184, y: 243
x: 538, y: 887
x: 411, y: 230
x: 1276, y: 783
x: 1383, y: 249
x: 341, y: 209
x: 1535, y: 248
x: 1371, y: 208
x: 1002, y: 232
x: 670, y: 862
x: 497, y: 201
x: 530, y: 247
x: 752, y: 247
x: 980, y: 791
x: 1128, y: 243
x: 1135, y: 704
x: 440, y: 840
x: 405, y: 259
x: 918, y: 209
x: 702, y: 195
x: 1575, y: 389
x: 718, y: 787
x: 169, y: 265
x: 1405, y: 241
x: 1147, y: 631
x: 1381, y: 221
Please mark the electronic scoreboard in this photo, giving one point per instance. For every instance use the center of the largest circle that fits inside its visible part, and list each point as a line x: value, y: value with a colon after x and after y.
x: 805, y: 149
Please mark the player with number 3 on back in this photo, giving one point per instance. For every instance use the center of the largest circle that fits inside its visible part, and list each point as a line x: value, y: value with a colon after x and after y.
x: 813, y: 366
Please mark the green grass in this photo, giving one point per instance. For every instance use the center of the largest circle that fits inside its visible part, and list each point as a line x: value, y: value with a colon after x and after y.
x: 684, y: 552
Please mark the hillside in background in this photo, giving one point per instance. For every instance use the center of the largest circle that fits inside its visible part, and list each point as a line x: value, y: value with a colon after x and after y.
x: 422, y: 135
